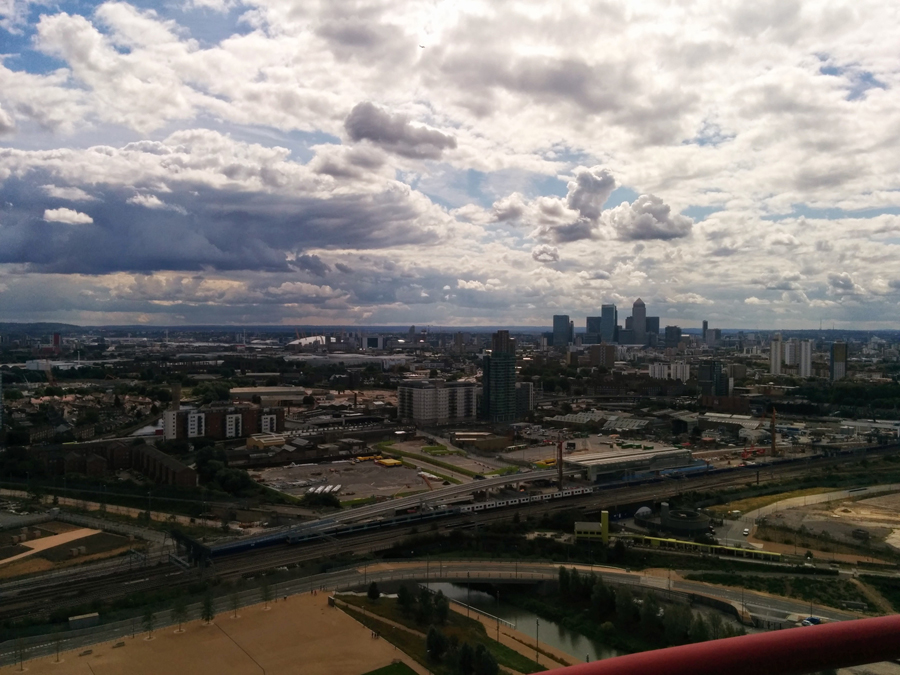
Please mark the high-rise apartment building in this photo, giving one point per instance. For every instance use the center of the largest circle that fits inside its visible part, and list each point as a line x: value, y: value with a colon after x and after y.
x: 792, y: 352
x: 805, y: 359
x: 499, y: 378
x: 639, y: 322
x: 776, y: 354
x: 609, y: 319
x: 562, y: 331
x: 713, y: 379
x: 524, y: 398
x: 434, y: 402
x: 603, y: 355
x: 838, y: 361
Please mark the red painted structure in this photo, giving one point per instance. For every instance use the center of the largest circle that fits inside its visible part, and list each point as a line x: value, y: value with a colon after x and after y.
x: 785, y: 652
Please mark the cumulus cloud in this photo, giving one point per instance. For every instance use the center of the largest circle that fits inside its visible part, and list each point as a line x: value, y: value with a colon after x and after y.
x: 544, y: 253
x: 396, y: 133
x: 843, y: 284
x: 150, y: 201
x: 68, y: 216
x: 589, y: 191
x: 72, y: 194
x: 648, y: 217
x: 7, y: 125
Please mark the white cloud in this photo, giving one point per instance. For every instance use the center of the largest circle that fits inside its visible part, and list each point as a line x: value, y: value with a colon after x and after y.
x: 72, y: 194
x: 67, y: 216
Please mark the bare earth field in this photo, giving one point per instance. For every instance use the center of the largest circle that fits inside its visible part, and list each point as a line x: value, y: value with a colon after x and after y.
x: 300, y: 635
x: 53, y: 551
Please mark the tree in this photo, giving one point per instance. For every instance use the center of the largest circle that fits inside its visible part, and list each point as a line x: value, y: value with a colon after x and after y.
x: 699, y: 632
x: 405, y: 600
x: 485, y: 663
x: 677, y: 623
x: 265, y: 593
x: 650, y: 622
x: 207, y: 612
x: 424, y: 609
x: 715, y: 626
x: 179, y: 611
x: 564, y: 578
x: 149, y: 622
x: 373, y: 592
x: 436, y: 644
x: 625, y: 607
x: 441, y: 608
x: 235, y: 603
x: 466, y: 661
x: 603, y: 600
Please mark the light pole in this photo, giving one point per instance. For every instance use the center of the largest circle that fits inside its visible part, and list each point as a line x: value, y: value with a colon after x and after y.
x: 537, y: 640
x: 468, y: 592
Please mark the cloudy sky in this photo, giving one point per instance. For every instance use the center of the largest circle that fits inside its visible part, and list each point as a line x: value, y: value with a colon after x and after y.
x: 464, y: 162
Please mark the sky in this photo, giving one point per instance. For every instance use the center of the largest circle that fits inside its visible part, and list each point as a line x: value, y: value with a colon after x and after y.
x: 468, y: 162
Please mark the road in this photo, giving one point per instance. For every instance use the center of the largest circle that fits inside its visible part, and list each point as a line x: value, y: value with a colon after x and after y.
x: 733, y: 532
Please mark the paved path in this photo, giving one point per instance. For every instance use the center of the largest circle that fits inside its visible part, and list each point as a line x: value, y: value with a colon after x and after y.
x: 42, y: 544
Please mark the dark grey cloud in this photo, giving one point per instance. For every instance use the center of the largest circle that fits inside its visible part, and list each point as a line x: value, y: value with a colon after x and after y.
x: 346, y: 269
x: 589, y: 192
x: 648, y: 217
x: 313, y: 264
x: 207, y: 229
x: 395, y: 133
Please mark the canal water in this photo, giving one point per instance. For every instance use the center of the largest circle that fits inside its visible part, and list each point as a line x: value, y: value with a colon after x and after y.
x: 548, y: 632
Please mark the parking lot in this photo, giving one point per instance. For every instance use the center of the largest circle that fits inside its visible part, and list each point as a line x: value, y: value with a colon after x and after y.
x: 357, y: 481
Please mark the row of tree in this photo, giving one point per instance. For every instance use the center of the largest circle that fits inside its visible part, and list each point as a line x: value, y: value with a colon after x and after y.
x: 460, y: 658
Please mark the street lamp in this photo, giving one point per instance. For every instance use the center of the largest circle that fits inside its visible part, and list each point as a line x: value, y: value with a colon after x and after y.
x: 537, y: 640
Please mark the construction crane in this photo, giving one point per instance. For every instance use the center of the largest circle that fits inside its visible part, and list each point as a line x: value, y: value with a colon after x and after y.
x: 772, y: 432
x: 47, y: 367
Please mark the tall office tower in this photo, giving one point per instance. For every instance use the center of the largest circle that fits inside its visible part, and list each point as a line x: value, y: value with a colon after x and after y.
x: 629, y: 323
x: 838, y: 361
x: 806, y: 348
x: 458, y: 343
x: 609, y: 322
x: 639, y: 322
x: 571, y: 332
x: 792, y: 352
x: 705, y: 328
x: 673, y: 336
x: 593, y: 325
x: 776, y: 353
x: 561, y: 327
x: 713, y: 379
x: 499, y: 379
x: 652, y: 325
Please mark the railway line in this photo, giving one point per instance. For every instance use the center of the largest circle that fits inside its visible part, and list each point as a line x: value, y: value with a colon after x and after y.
x: 41, y: 597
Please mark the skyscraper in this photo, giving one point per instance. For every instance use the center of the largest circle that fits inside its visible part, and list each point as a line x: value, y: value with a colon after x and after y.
x: 705, y: 328
x: 499, y: 379
x: 593, y: 324
x: 561, y: 331
x: 776, y: 353
x: 712, y: 378
x: 673, y: 336
x: 639, y: 322
x: 609, y: 318
x: 806, y: 358
x: 838, y: 361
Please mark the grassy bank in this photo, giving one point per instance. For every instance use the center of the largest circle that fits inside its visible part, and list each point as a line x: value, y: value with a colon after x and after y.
x: 822, y: 591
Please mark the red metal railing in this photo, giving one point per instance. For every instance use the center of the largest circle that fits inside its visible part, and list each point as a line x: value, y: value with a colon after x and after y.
x: 786, y: 652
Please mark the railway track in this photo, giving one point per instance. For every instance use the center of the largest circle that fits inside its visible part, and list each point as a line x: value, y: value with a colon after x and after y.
x: 40, y: 600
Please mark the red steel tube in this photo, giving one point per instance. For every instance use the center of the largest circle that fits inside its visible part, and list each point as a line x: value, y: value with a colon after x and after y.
x: 785, y: 652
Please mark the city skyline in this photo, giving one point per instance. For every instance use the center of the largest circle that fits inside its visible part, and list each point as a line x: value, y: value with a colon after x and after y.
x: 242, y: 162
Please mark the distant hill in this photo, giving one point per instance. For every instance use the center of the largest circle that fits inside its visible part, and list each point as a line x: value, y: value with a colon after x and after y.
x: 37, y: 327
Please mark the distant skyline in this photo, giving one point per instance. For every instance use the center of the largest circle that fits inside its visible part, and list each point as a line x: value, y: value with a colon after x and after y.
x: 435, y: 162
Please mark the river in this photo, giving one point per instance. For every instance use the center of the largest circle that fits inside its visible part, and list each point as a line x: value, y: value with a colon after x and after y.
x: 550, y: 633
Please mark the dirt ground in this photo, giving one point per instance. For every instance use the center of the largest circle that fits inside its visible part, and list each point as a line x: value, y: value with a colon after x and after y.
x: 364, y: 479
x: 52, y: 552
x: 300, y: 635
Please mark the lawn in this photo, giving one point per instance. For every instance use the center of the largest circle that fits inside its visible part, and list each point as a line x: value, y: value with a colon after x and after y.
x: 398, y: 668
x: 889, y: 588
x: 829, y: 592
x: 465, y: 629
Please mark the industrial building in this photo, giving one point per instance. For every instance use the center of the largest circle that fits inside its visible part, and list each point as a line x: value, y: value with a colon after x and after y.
x: 617, y: 464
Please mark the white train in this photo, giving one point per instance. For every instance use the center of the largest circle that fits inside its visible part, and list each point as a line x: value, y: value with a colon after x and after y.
x: 514, y: 501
